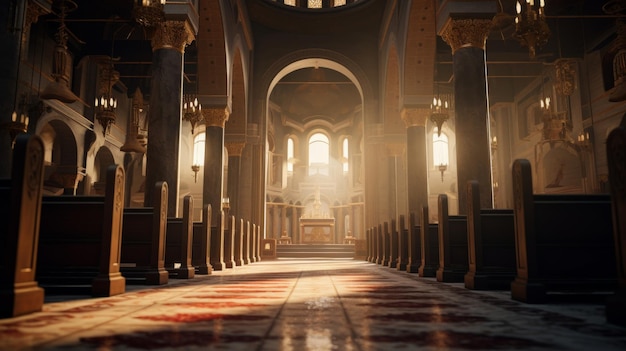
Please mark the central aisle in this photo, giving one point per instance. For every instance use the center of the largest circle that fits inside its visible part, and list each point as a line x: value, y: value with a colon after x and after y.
x: 310, y: 304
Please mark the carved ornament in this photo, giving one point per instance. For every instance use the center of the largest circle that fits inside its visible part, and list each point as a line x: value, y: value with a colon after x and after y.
x: 172, y: 35
x: 215, y: 117
x: 415, y: 117
x: 461, y: 33
x: 235, y: 149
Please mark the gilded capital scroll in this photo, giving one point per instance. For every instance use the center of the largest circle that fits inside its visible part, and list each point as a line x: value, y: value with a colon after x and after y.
x: 415, y: 117
x: 172, y: 35
x: 215, y: 117
x: 470, y: 32
x: 234, y: 149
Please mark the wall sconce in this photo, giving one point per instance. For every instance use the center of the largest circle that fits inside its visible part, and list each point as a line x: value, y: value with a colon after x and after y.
x: 105, y: 104
x: 149, y: 13
x: 226, y: 204
x: 195, y: 169
x: 583, y: 140
x: 19, y: 120
x: 442, y: 168
x: 531, y: 29
x: 132, y: 143
x: 494, y: 143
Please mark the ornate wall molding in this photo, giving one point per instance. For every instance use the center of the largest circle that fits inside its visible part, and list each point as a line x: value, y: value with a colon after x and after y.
x: 472, y: 32
x: 415, y: 117
x: 172, y: 35
x: 215, y: 117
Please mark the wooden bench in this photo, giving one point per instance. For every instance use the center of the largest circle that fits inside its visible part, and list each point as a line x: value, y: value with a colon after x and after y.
x: 20, y: 211
x: 178, y: 248
x: 238, y: 243
x: 491, y: 244
x: 452, y: 235
x: 201, y: 243
x: 217, y: 243
x: 80, y: 240
x: 615, y: 152
x: 386, y: 235
x: 564, y: 242
x: 415, y: 245
x: 430, y: 246
x: 143, y: 241
x: 403, y: 244
x: 393, y: 244
x: 246, y: 244
x: 229, y: 241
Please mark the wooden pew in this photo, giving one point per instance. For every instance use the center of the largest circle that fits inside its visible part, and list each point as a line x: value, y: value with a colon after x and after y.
x: 452, y: 235
x: 80, y: 240
x: 201, y: 243
x: 393, y: 244
x: 20, y: 211
x: 246, y: 244
x: 384, y: 230
x: 615, y: 149
x: 143, y: 241
x: 403, y: 245
x: 178, y: 248
x: 238, y: 246
x: 563, y: 242
x: 491, y: 244
x: 217, y: 243
x: 415, y: 245
x: 429, y: 245
x: 229, y: 241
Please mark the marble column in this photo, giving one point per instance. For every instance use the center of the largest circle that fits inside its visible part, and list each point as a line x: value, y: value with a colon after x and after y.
x: 467, y: 37
x: 234, y: 165
x: 417, y: 161
x: 164, y: 118
x: 212, y: 192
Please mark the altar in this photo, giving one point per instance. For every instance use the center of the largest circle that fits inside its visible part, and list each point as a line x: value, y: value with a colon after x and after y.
x: 317, y: 230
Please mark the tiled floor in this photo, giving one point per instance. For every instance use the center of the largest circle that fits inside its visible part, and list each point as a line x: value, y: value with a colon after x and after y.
x: 310, y: 305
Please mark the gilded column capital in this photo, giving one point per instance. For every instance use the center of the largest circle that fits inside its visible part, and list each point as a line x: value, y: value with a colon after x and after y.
x: 215, y: 117
x: 395, y: 149
x: 234, y: 149
x: 172, y: 35
x: 33, y: 12
x: 415, y: 117
x: 467, y: 32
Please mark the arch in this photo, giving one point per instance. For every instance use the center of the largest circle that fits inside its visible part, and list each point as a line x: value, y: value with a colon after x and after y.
x: 236, y: 123
x: 213, y: 72
x: 419, y: 50
x: 104, y: 158
x: 391, y: 111
x: 59, y: 143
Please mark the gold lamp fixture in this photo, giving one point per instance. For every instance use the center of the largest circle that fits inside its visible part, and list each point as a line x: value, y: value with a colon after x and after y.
x: 105, y: 103
x: 61, y: 60
x: 192, y: 110
x: 149, y: 13
x: 440, y: 112
x: 133, y: 142
x: 531, y: 29
x: 19, y: 120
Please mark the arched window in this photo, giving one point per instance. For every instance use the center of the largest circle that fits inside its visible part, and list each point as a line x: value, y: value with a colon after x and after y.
x: 290, y: 155
x: 198, y: 149
x: 440, y: 149
x: 345, y: 156
x: 319, y: 154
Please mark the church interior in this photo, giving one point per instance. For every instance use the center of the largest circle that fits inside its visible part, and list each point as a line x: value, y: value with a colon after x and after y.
x: 184, y: 174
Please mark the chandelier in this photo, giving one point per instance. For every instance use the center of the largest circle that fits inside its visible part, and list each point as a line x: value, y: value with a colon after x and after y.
x: 440, y: 112
x: 105, y: 104
x: 192, y: 110
x: 149, y: 13
x: 531, y: 29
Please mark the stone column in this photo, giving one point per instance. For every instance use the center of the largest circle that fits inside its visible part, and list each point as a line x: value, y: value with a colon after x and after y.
x: 212, y: 193
x: 234, y: 163
x: 417, y: 161
x: 466, y: 37
x: 162, y: 162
